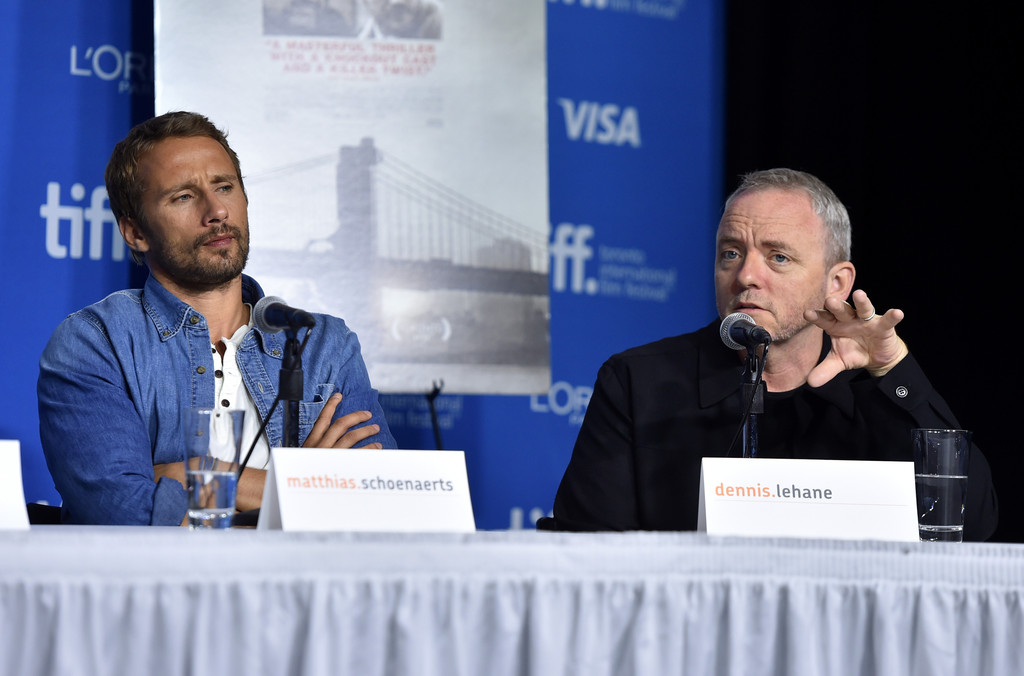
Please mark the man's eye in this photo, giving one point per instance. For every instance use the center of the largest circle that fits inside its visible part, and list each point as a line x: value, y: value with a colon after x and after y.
x: 183, y: 198
x: 780, y: 258
x: 730, y: 255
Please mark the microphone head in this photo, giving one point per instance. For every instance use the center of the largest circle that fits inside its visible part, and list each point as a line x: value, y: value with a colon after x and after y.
x: 726, y: 328
x: 259, y: 314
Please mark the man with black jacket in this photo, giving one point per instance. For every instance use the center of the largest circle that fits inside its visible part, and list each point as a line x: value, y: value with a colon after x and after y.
x: 841, y: 384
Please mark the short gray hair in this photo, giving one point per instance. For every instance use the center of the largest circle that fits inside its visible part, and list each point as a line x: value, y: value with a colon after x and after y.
x: 825, y: 203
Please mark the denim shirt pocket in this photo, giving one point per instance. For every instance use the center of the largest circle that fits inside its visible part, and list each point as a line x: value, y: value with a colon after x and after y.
x: 309, y: 411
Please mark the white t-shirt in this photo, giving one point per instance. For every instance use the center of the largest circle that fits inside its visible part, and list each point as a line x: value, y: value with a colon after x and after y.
x: 230, y: 393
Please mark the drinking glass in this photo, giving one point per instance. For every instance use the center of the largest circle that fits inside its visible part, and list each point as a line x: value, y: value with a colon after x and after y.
x: 213, y: 439
x: 940, y: 467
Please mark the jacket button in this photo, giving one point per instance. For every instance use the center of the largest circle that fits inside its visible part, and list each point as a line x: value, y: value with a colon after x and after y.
x: 201, y: 370
x: 276, y: 353
x: 194, y: 319
x: 902, y: 392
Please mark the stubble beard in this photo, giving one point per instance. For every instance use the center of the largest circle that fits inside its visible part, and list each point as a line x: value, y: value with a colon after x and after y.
x: 786, y: 326
x: 789, y: 329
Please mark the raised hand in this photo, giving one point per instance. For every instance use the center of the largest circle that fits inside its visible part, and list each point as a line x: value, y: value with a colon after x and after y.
x: 860, y: 338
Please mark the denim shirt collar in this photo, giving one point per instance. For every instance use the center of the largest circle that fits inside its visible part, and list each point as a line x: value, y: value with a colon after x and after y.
x: 170, y: 314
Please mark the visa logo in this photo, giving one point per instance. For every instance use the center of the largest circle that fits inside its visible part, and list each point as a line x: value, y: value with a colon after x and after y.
x: 604, y: 123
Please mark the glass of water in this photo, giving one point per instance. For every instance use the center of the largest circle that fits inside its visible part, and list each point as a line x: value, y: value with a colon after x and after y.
x: 213, y: 439
x: 940, y: 466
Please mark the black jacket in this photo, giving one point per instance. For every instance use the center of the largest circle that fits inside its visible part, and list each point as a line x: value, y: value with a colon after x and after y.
x: 658, y: 409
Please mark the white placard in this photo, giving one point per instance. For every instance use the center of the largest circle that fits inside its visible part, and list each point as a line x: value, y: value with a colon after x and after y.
x: 840, y: 499
x: 312, y: 489
x: 13, y: 514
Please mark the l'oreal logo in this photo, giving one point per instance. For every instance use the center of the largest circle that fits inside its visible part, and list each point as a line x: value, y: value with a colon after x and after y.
x: 107, y: 62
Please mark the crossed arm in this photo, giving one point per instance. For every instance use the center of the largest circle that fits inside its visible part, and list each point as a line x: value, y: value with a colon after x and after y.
x: 326, y: 433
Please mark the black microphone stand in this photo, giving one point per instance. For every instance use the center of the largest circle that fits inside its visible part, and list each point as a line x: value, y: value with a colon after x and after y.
x: 431, y: 396
x: 289, y: 390
x: 751, y: 369
x: 290, y: 387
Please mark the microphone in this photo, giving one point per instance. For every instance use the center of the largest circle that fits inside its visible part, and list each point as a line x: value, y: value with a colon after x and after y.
x: 272, y: 315
x: 739, y: 332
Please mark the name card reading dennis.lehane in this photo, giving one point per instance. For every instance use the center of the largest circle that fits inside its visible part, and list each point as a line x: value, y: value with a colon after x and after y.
x: 772, y: 497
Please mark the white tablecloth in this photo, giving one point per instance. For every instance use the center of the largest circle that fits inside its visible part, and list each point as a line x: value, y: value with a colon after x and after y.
x: 167, y: 601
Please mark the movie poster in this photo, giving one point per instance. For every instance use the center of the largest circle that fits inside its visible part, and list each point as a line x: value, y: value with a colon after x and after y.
x: 395, y: 157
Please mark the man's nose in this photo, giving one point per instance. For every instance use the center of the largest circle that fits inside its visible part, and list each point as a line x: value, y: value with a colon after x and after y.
x: 216, y: 208
x: 751, y: 273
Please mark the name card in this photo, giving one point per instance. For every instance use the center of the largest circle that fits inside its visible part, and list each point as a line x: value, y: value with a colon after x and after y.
x: 312, y: 489
x: 13, y: 514
x: 838, y: 499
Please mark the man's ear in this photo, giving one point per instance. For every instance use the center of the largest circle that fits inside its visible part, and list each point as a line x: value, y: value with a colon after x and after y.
x: 840, y: 280
x: 133, y: 235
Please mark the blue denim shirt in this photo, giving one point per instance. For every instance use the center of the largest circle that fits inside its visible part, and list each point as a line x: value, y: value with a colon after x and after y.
x: 116, y: 376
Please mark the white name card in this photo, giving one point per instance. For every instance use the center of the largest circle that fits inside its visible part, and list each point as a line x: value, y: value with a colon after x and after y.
x: 839, y: 499
x: 13, y: 514
x: 312, y: 489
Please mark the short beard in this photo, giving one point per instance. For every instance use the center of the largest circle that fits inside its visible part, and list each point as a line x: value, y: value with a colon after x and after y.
x: 188, y: 270
x: 789, y: 329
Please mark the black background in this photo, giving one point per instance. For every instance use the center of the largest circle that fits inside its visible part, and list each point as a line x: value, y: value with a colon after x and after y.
x: 912, y: 115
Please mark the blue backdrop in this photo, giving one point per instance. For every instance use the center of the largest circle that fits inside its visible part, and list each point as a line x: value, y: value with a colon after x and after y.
x: 634, y: 125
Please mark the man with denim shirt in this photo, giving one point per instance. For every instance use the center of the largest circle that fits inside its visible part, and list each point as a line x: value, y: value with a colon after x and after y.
x: 117, y: 375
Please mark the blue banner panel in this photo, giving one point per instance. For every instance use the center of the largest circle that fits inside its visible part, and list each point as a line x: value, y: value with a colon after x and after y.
x: 76, y: 75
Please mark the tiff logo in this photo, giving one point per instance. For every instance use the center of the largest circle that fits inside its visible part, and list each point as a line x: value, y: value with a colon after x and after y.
x: 603, y: 123
x: 107, y: 62
x: 570, y: 247
x: 96, y: 214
